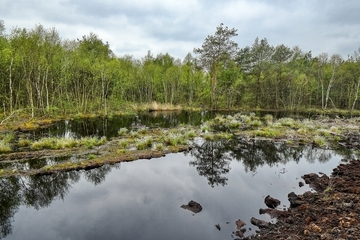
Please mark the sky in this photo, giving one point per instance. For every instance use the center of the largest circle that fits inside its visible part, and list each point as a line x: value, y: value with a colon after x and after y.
x: 133, y: 27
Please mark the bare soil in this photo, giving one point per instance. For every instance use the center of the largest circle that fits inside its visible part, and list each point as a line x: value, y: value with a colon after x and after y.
x: 331, y: 211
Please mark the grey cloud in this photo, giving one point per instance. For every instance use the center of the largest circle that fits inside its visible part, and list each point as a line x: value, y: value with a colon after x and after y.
x: 177, y: 27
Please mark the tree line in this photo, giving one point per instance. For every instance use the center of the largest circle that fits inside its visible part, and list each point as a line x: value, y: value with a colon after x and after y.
x: 42, y: 73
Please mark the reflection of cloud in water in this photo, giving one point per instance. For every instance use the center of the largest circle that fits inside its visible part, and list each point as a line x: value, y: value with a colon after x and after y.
x: 141, y: 199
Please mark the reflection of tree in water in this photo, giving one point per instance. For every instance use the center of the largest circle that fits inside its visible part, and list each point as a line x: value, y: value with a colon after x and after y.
x: 212, y: 161
x: 212, y: 158
x: 97, y: 175
x: 317, y: 154
x: 39, y: 192
x: 10, y: 200
x: 255, y: 153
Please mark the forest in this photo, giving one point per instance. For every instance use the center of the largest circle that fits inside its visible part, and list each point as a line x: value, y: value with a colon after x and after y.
x: 42, y: 74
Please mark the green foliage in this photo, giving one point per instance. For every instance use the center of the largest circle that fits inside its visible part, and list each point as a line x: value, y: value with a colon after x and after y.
x: 44, y: 75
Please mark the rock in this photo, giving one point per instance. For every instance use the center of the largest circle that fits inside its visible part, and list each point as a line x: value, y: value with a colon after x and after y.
x: 240, y: 233
x: 294, y: 200
x: 271, y: 202
x: 274, y: 213
x: 317, y: 183
x: 259, y: 223
x: 239, y: 224
x: 301, y: 184
x: 218, y: 227
x: 192, y: 206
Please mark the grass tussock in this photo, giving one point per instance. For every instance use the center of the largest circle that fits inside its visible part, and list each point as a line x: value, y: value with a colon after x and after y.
x: 5, y: 147
x: 61, y: 143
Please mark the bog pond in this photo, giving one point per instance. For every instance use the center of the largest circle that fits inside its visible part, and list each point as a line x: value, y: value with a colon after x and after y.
x: 142, y: 199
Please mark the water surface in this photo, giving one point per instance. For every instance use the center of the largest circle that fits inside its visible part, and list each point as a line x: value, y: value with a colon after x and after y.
x: 142, y: 199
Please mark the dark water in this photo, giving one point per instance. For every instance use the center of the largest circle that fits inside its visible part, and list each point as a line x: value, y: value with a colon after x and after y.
x: 142, y: 199
x: 109, y: 127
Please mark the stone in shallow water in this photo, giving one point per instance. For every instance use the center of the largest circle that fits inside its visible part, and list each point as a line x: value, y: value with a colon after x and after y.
x: 192, y: 206
x: 271, y: 202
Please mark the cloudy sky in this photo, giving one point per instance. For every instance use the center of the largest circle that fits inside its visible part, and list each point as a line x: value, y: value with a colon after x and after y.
x: 178, y: 26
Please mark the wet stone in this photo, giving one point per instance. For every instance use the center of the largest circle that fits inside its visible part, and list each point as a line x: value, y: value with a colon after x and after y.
x: 271, y: 202
x: 192, y: 206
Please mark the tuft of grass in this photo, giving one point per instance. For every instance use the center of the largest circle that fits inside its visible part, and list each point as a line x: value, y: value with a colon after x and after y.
x: 269, y: 119
x: 268, y: 133
x: 23, y: 142
x: 323, y: 132
x: 209, y: 137
x: 90, y: 142
x: 123, y: 131
x: 174, y: 139
x: 5, y: 147
x: 159, y: 147
x: 44, y: 143
x: 205, y: 128
x: 320, y: 141
x: 224, y: 135
x: 143, y: 131
x: 256, y: 123
x: 61, y: 143
x: 144, y: 143
x: 7, y: 137
x: 287, y: 122
x: 121, y: 151
x: 191, y: 134
x: 124, y: 143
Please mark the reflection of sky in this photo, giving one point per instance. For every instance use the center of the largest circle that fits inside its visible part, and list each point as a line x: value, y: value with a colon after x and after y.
x: 142, y: 199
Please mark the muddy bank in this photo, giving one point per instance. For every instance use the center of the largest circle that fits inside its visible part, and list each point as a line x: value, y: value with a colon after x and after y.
x: 331, y: 211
